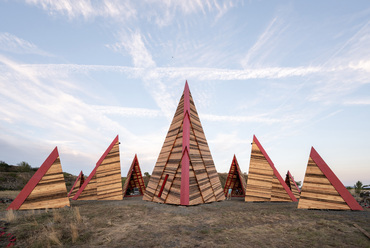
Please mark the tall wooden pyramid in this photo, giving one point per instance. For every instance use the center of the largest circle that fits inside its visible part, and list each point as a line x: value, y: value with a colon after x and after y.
x: 322, y: 189
x: 185, y: 173
x: 264, y: 181
x: 134, y: 179
x: 289, y: 180
x: 235, y: 180
x: 77, y: 185
x: 45, y: 189
x: 104, y: 182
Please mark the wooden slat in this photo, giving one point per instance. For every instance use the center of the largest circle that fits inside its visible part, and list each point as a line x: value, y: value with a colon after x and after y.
x: 108, y: 176
x: 50, y: 192
x: 260, y: 175
x: 317, y: 191
x: 204, y: 183
x: 235, y: 180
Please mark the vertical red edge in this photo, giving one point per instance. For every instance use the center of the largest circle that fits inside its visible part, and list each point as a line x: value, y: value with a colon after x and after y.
x: 35, y: 179
x: 337, y: 184
x: 290, y: 175
x: 240, y: 175
x: 78, y: 179
x: 227, y: 183
x: 282, y: 182
x: 129, y: 173
x: 96, y: 167
x: 184, y: 190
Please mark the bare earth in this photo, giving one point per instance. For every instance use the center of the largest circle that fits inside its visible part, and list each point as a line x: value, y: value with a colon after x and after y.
x: 136, y: 223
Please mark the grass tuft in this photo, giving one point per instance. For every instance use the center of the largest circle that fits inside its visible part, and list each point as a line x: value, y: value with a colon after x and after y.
x: 74, y: 232
x: 10, y: 215
x: 76, y: 213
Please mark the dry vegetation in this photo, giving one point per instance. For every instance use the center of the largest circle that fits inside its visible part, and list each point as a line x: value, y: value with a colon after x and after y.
x: 136, y: 223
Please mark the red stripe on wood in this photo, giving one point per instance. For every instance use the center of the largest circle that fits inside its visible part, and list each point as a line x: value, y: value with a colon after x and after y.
x: 276, y: 173
x: 240, y: 175
x: 77, y: 180
x: 333, y: 179
x: 290, y: 175
x: 184, y: 190
x: 35, y: 179
x: 164, y: 182
x: 94, y: 170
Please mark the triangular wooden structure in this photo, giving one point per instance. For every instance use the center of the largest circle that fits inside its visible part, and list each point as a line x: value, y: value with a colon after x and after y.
x: 235, y: 180
x: 104, y: 182
x: 264, y: 181
x: 289, y: 180
x: 322, y: 189
x: 45, y: 189
x: 77, y: 185
x: 185, y: 173
x: 134, y: 179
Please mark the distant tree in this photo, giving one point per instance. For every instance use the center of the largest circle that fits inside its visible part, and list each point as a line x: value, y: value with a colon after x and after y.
x: 299, y: 183
x: 3, y: 166
x: 358, y: 187
x: 146, y: 174
x: 24, y: 166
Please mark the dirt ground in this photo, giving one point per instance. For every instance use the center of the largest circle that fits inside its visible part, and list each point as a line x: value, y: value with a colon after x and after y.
x: 136, y: 223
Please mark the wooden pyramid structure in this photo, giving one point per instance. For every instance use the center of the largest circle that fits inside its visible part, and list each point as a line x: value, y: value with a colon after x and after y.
x: 235, y: 180
x: 322, y: 189
x: 104, y: 182
x: 289, y: 180
x: 45, y: 189
x: 185, y: 173
x: 134, y: 179
x: 77, y: 185
x: 264, y: 181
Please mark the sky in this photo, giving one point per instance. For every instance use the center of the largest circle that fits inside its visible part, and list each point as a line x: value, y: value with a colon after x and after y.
x: 75, y: 73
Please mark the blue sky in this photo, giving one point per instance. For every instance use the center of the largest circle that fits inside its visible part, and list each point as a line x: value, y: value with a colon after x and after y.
x: 74, y: 74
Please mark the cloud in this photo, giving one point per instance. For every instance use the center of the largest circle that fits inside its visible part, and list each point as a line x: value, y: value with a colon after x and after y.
x: 357, y: 102
x: 134, y: 45
x: 240, y: 119
x: 127, y: 112
x: 264, y: 45
x: 14, y: 44
x: 120, y: 10
x: 163, y: 12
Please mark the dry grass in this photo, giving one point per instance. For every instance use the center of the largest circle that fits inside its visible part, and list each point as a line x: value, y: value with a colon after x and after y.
x: 135, y: 223
x: 74, y: 232
x: 10, y: 215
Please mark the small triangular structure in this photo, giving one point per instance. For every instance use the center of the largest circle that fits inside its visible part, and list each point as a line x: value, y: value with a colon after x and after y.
x: 235, y: 180
x: 45, y: 189
x: 322, y: 189
x: 264, y: 181
x: 289, y: 180
x: 134, y: 179
x: 185, y: 173
x: 104, y: 182
x: 77, y: 185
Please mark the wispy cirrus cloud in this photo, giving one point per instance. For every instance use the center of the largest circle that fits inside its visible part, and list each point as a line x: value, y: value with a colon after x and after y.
x: 121, y: 10
x: 11, y: 43
x: 266, y: 42
x: 162, y: 12
x: 128, y: 112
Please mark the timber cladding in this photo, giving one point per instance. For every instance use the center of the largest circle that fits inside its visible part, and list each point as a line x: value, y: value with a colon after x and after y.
x: 289, y: 180
x: 264, y: 181
x: 134, y: 179
x: 46, y: 189
x: 77, y: 184
x: 104, y: 182
x: 322, y: 189
x: 165, y: 183
x: 235, y: 180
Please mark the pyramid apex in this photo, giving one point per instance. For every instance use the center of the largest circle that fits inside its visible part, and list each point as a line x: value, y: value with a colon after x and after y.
x: 186, y: 88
